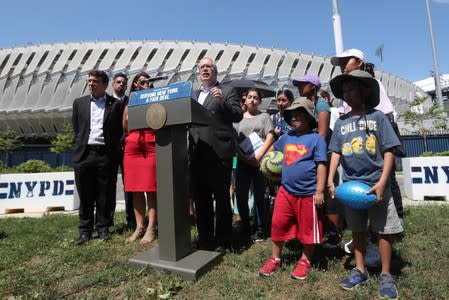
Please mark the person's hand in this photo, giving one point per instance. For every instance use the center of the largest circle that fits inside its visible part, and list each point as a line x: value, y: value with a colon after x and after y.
x: 318, y: 199
x: 277, y: 131
x: 379, y: 190
x: 218, y: 95
x: 331, y: 189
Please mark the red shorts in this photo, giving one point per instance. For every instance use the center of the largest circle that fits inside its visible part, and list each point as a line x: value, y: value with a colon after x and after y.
x: 296, y: 217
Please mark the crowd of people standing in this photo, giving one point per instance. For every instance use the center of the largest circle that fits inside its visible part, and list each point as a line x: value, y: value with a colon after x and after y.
x: 312, y: 140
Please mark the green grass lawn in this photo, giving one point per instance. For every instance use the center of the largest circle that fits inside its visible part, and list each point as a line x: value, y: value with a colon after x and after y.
x: 38, y: 259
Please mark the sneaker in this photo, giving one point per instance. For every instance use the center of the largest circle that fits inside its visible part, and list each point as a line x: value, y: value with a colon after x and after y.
x: 259, y: 236
x: 270, y: 267
x: 349, y: 247
x: 333, y: 241
x: 372, y: 256
x: 302, y: 269
x: 388, y: 288
x: 354, y: 279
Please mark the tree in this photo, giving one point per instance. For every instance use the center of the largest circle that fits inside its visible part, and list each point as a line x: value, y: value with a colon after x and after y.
x: 9, y: 141
x: 417, y: 116
x: 63, y: 142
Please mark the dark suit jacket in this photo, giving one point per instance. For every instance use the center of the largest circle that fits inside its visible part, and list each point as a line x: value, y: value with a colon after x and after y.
x: 218, y: 136
x: 112, y: 126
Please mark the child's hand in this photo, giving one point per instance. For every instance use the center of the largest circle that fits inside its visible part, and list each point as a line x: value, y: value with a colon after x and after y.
x: 318, y: 199
x: 331, y: 189
x: 277, y: 131
x: 379, y: 190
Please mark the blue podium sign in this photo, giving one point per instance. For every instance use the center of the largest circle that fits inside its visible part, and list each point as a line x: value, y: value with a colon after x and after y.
x: 178, y: 90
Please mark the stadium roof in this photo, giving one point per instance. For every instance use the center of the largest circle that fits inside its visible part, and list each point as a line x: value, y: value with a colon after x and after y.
x: 38, y: 83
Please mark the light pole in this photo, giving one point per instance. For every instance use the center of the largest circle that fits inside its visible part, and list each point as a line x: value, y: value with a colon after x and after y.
x: 338, y: 34
x: 435, y: 60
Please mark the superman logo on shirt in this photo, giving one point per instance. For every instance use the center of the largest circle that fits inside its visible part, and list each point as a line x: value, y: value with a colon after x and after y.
x: 294, y: 152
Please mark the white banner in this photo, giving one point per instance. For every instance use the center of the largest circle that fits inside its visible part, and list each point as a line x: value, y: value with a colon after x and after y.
x: 38, y: 192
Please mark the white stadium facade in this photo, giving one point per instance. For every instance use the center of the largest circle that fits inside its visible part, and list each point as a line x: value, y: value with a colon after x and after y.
x: 38, y: 83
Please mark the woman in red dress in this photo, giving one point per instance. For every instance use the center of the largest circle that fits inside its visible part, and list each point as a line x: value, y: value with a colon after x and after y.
x: 140, y: 170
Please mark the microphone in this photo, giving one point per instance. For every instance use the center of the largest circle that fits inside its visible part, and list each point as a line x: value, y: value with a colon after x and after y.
x: 157, y: 78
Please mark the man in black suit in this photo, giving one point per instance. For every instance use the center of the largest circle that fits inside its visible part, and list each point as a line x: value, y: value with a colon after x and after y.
x: 119, y: 86
x: 211, y: 150
x: 96, y: 121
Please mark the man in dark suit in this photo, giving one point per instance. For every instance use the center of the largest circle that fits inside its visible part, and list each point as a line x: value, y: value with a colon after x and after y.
x: 119, y: 86
x: 96, y: 121
x: 211, y: 150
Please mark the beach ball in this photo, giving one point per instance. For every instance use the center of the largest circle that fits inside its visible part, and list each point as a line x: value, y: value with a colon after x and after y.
x: 271, y: 166
x: 354, y: 194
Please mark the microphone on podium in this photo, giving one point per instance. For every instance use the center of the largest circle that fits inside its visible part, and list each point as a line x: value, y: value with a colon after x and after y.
x: 157, y: 78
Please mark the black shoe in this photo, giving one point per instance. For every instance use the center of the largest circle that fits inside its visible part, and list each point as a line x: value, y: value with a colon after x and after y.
x: 220, y: 249
x: 104, y: 235
x: 84, y: 238
x: 259, y: 236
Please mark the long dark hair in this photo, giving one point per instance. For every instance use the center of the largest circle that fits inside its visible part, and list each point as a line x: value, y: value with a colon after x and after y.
x: 369, y: 67
x: 287, y: 93
x: 136, y: 78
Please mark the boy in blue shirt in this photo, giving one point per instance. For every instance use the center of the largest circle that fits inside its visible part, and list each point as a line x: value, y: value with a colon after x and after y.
x: 298, y: 206
x: 362, y: 142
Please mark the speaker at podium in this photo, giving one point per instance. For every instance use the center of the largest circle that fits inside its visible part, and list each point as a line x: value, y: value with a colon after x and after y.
x: 170, y: 111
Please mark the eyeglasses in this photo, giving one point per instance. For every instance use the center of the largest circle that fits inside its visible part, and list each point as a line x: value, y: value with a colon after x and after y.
x: 142, y: 82
x: 344, y: 60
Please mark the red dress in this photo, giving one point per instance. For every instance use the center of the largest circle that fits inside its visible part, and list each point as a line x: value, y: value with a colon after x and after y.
x: 140, y: 161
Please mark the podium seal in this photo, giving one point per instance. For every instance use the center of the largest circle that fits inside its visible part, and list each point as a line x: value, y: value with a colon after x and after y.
x: 156, y: 116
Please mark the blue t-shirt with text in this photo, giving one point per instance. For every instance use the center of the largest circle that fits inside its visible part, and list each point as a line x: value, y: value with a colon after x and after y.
x: 362, y: 141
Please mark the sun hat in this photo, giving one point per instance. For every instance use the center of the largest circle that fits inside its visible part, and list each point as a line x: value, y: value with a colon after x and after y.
x: 301, y: 102
x: 313, y: 79
x: 347, y: 53
x: 367, y: 80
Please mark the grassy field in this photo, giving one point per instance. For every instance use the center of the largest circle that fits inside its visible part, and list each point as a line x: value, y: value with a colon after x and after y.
x: 38, y: 259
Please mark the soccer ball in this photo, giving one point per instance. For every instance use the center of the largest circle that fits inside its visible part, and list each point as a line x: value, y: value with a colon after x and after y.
x: 271, y: 166
x: 354, y: 194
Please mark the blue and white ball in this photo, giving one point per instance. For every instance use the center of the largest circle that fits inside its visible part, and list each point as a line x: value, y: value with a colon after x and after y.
x: 354, y: 194
x: 271, y: 166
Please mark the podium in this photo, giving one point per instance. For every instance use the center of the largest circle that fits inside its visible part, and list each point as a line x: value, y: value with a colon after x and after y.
x: 170, y: 110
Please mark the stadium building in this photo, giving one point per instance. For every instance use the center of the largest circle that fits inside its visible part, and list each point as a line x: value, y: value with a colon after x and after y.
x: 38, y: 83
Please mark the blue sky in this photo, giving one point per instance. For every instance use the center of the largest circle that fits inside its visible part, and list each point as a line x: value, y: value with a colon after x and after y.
x: 297, y: 25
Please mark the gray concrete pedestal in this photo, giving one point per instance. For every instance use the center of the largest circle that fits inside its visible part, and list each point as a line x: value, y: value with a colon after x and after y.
x: 189, y: 268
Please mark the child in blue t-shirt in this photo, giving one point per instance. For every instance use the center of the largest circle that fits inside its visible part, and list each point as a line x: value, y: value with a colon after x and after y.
x: 362, y: 142
x: 298, y: 206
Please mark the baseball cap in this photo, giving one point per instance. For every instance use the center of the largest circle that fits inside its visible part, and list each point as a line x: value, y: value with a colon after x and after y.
x: 367, y: 80
x: 313, y: 79
x: 347, y: 53
x: 301, y: 102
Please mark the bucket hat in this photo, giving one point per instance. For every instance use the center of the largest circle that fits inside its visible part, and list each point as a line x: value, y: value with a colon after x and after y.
x: 367, y: 80
x: 301, y: 102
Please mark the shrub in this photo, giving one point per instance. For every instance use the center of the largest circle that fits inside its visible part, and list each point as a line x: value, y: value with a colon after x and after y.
x: 2, y: 165
x: 63, y: 169
x: 34, y: 166
x: 428, y: 153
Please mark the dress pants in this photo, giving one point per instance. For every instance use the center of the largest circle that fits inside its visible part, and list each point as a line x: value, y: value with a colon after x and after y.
x: 94, y: 179
x: 211, y: 179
